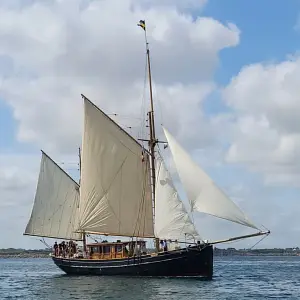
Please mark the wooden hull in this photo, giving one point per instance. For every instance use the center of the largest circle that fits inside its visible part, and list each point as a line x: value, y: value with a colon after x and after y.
x: 191, y: 262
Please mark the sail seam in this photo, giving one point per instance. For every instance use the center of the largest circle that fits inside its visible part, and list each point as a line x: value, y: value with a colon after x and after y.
x: 105, y: 192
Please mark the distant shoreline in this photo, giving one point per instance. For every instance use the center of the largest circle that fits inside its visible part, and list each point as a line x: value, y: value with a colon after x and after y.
x: 22, y: 253
x: 257, y: 252
x: 3, y: 256
x: 45, y: 253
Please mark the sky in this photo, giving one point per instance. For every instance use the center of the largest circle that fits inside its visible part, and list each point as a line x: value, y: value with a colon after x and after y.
x: 225, y: 77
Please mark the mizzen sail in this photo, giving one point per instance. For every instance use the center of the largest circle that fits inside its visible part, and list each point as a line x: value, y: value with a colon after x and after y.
x: 115, y: 191
x: 172, y: 220
x: 55, y: 209
x: 203, y: 193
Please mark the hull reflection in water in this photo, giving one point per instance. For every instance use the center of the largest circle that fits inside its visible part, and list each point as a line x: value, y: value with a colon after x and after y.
x: 191, y: 261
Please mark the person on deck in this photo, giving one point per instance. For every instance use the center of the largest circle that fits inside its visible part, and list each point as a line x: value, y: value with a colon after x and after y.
x: 165, y: 245
x: 55, y: 247
x: 63, y: 249
x: 161, y: 245
x: 126, y: 250
x: 71, y: 248
x: 60, y: 249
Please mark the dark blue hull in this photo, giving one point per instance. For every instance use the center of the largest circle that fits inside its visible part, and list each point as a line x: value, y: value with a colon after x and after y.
x: 191, y: 261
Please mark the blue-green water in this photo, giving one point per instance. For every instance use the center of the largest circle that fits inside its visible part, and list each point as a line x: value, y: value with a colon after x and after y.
x: 235, y: 278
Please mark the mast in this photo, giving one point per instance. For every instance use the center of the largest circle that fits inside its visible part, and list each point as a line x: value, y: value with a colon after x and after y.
x: 79, y: 155
x: 152, y: 141
x: 83, y: 233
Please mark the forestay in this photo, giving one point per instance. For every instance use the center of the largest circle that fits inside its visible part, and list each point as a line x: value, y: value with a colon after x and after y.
x: 203, y: 194
x: 115, y: 191
x: 55, y: 209
x: 172, y: 221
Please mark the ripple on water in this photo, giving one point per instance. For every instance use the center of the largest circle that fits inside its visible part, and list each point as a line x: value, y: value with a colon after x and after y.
x: 235, y: 278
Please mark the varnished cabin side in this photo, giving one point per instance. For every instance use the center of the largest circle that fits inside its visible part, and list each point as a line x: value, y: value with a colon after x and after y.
x: 116, y: 250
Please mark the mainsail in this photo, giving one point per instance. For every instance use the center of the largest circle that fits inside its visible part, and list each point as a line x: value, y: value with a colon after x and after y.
x: 203, y: 194
x: 115, y: 191
x: 172, y: 221
x: 55, y: 209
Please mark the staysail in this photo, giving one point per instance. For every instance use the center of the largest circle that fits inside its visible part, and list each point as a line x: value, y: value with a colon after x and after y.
x: 172, y: 221
x: 115, y: 191
x: 55, y: 209
x: 203, y: 194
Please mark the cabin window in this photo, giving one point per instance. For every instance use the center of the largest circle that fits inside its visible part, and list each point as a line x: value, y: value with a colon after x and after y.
x: 119, y: 248
x: 95, y: 249
x: 106, y: 249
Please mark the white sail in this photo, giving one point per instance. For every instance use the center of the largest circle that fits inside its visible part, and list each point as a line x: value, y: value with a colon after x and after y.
x: 55, y: 209
x: 203, y: 194
x: 171, y: 218
x: 115, y: 191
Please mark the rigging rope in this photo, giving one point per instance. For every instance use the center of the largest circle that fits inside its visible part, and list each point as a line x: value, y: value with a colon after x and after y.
x: 259, y: 241
x: 44, y: 242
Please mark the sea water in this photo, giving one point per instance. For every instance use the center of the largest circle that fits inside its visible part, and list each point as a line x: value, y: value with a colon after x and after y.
x: 234, y: 278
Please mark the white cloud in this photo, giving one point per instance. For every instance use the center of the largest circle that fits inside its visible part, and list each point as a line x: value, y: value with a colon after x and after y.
x: 266, y: 135
x: 17, y: 182
x: 98, y: 50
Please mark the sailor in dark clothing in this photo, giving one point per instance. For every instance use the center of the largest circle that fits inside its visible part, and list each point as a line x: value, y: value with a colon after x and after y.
x: 162, y: 244
x: 74, y: 250
x: 165, y: 245
x: 55, y: 247
x: 64, y: 248
x: 60, y: 249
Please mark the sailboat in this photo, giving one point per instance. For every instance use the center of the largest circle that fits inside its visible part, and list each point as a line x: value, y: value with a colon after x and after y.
x: 126, y: 191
